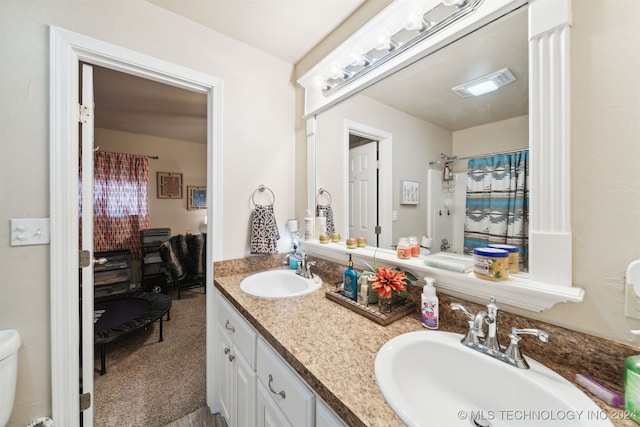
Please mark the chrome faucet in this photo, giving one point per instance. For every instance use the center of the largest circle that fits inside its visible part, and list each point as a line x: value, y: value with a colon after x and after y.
x: 304, y: 267
x: 490, y: 345
x: 444, y: 245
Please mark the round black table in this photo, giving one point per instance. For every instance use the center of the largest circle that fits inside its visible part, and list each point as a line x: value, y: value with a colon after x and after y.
x: 117, y: 317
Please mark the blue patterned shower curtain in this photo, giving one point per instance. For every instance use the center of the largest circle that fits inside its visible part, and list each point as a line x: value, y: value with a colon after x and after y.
x: 497, y: 207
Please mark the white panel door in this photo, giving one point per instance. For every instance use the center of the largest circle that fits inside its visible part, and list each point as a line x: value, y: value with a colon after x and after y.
x: 363, y: 192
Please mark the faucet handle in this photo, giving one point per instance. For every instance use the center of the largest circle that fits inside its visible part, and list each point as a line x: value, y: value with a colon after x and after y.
x: 460, y: 307
x: 512, y: 352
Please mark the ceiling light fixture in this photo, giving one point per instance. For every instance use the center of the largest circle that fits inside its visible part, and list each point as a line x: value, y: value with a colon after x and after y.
x: 484, y: 84
x: 392, y: 38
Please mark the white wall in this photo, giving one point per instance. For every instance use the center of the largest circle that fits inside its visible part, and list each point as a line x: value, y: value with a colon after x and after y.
x: 258, y: 124
x: 415, y: 142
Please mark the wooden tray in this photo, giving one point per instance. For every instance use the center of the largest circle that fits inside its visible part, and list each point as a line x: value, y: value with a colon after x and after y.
x: 371, y: 312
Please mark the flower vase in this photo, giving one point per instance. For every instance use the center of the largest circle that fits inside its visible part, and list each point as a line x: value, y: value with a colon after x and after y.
x: 385, y: 304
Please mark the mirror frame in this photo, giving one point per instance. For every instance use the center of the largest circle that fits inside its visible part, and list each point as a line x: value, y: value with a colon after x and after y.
x: 550, y: 237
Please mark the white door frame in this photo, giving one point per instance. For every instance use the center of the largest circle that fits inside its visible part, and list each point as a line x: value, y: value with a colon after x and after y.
x: 67, y: 49
x: 385, y: 150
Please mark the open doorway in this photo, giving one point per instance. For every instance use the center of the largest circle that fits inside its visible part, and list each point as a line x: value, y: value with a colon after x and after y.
x: 67, y: 50
x: 144, y: 124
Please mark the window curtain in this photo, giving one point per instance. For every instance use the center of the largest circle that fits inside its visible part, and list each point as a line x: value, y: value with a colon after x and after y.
x: 121, y: 202
x: 497, y: 205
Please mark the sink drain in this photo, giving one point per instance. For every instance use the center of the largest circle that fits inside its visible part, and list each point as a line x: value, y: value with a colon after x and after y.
x: 480, y: 421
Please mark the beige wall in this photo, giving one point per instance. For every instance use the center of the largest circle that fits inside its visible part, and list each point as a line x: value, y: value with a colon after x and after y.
x: 187, y: 158
x: 605, y: 190
x: 258, y: 123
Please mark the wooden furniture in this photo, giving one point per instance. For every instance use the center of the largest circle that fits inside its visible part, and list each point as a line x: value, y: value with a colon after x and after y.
x: 112, y: 277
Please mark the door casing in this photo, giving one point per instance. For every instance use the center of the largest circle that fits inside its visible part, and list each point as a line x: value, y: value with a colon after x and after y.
x: 67, y: 50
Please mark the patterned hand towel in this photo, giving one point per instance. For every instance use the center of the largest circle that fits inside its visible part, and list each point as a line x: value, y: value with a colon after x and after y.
x: 328, y: 214
x: 264, y: 231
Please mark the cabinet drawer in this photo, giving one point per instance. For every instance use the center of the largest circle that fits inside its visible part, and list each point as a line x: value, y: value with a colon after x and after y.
x: 105, y: 291
x: 288, y: 391
x: 238, y: 330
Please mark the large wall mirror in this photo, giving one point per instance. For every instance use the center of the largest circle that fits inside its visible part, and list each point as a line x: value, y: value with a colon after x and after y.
x: 407, y: 121
x: 402, y: 118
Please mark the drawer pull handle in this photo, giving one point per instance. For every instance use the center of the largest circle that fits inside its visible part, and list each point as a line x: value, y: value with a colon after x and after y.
x: 231, y: 358
x: 229, y: 327
x: 226, y: 350
x: 281, y: 393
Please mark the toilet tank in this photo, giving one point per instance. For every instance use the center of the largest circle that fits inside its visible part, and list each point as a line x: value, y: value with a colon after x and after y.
x: 9, y: 345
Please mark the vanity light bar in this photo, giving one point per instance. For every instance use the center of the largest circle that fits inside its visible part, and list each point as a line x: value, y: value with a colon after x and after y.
x: 485, y: 84
x: 422, y: 27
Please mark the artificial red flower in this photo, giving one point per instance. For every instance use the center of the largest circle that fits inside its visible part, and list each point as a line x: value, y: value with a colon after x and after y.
x: 386, y: 281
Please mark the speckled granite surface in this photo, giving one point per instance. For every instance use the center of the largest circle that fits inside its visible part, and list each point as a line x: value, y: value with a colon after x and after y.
x: 333, y: 349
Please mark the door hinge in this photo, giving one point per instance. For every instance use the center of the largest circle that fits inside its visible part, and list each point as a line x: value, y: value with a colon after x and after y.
x: 84, y: 113
x: 378, y: 164
x: 85, y: 259
x: 85, y: 401
x: 378, y: 229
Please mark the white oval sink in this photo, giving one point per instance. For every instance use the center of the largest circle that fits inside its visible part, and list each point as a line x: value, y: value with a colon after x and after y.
x: 279, y: 284
x: 430, y: 379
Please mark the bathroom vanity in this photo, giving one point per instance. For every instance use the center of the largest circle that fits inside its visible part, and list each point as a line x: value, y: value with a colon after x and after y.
x: 322, y: 354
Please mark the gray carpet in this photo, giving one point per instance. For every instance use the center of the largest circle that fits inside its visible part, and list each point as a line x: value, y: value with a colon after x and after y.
x: 150, y: 383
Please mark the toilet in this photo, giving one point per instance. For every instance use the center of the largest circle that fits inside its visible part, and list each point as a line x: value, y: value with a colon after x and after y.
x: 9, y: 345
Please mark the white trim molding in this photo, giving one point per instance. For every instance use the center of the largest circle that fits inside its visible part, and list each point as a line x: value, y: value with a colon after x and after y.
x: 67, y: 50
x: 518, y: 291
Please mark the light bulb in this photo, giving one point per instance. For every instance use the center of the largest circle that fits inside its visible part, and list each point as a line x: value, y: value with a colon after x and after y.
x: 319, y: 83
x: 415, y: 21
x: 383, y: 40
x: 336, y: 71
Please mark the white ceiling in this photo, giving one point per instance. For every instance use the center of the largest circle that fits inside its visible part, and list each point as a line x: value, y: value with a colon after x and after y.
x: 131, y: 104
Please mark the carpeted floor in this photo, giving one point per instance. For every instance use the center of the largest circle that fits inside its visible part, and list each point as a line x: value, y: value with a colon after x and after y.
x: 150, y: 383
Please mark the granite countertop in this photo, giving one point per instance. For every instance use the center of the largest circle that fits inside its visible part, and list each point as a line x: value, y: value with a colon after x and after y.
x: 333, y: 349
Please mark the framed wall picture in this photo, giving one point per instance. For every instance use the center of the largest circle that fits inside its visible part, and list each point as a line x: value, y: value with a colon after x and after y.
x: 410, y: 192
x: 169, y: 185
x: 196, y: 198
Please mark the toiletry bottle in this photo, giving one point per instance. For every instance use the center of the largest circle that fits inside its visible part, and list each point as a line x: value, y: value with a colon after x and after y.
x: 429, y: 305
x: 321, y: 224
x: 350, y: 281
x: 364, y: 290
x: 308, y: 225
x: 632, y: 387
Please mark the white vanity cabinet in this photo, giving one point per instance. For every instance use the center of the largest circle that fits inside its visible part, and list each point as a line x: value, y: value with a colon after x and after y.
x: 256, y: 386
x: 281, y: 393
x: 325, y: 417
x: 237, y: 367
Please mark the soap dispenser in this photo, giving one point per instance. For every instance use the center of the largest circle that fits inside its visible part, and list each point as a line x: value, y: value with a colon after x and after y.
x: 350, y: 282
x: 429, y: 306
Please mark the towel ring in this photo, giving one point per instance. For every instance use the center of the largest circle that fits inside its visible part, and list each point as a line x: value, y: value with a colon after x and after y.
x: 322, y: 191
x: 261, y: 189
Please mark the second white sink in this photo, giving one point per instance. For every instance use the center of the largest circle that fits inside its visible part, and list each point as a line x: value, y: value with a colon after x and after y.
x: 430, y: 379
x: 279, y: 284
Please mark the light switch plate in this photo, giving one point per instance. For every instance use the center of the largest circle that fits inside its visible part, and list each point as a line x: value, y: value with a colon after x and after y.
x: 30, y: 231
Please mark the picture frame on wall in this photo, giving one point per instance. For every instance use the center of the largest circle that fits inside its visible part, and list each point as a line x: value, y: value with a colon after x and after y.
x: 169, y: 185
x: 410, y: 192
x: 196, y: 198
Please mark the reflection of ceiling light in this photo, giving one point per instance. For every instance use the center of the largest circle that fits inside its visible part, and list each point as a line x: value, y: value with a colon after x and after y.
x: 485, y: 84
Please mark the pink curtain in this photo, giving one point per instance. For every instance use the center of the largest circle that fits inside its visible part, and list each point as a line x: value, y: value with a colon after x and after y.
x: 121, y: 201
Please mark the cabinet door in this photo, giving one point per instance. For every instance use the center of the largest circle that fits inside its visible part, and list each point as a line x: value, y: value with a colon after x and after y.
x: 325, y: 417
x: 226, y: 377
x: 268, y: 414
x: 245, y: 395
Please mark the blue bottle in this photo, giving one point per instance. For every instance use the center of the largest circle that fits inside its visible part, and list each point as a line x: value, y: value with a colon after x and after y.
x: 350, y: 282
